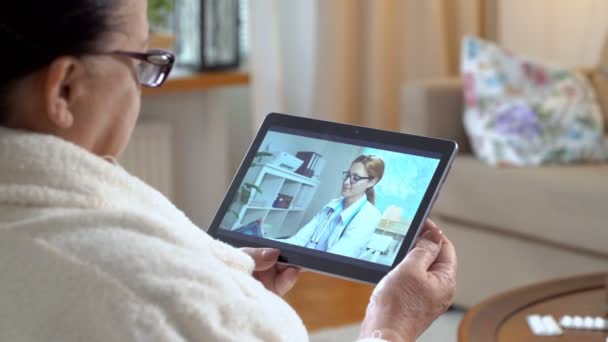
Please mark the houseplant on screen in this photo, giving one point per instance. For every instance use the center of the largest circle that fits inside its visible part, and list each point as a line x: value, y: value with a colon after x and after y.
x: 160, y: 14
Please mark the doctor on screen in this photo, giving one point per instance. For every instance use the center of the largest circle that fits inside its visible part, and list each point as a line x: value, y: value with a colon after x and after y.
x: 345, y: 225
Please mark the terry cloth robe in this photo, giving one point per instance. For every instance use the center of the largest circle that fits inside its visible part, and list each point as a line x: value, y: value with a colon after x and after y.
x: 89, y: 252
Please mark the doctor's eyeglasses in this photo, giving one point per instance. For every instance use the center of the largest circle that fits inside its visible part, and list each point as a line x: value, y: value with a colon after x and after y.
x: 154, y: 65
x: 354, y: 178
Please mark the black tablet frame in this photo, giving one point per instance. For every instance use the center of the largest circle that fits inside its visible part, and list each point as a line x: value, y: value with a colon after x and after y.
x: 323, y: 262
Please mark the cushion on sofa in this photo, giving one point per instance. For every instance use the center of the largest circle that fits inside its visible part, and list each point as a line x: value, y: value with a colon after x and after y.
x: 599, y: 77
x: 565, y: 205
x: 521, y: 112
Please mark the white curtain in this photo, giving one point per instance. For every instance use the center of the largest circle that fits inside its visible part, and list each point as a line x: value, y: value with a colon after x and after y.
x: 346, y: 60
x: 565, y: 32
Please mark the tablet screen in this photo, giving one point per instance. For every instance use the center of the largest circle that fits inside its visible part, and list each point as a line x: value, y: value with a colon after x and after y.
x: 333, y: 194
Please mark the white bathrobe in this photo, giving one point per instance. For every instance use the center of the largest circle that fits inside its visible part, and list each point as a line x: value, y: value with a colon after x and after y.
x: 90, y: 253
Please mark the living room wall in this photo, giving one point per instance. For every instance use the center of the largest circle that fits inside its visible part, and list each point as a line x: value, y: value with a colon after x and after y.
x: 567, y: 32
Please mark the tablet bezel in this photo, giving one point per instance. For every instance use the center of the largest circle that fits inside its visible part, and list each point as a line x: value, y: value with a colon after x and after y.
x: 324, y: 262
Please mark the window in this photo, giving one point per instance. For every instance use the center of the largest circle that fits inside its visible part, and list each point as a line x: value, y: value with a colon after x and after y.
x: 206, y: 35
x: 244, y: 34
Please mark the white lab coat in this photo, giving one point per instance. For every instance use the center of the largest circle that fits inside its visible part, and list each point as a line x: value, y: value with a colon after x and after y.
x: 351, y: 235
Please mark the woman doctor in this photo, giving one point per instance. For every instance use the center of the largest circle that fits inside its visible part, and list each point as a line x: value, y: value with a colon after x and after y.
x: 345, y: 225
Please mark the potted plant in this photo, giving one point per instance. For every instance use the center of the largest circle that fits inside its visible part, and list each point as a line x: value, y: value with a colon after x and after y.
x: 160, y: 13
x: 246, y: 189
x: 245, y: 195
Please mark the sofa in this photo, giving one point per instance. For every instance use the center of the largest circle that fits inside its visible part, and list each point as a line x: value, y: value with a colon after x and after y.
x: 511, y: 226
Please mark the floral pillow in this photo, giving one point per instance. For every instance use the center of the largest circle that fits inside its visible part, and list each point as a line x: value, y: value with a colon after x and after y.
x: 519, y: 112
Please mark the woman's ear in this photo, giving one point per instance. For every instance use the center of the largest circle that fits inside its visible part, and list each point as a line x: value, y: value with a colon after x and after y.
x: 60, y: 88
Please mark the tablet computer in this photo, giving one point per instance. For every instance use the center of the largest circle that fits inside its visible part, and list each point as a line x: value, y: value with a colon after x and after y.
x: 337, y: 199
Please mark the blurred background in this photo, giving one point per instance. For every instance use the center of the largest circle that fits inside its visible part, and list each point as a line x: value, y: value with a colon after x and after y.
x: 350, y: 61
x: 341, y: 60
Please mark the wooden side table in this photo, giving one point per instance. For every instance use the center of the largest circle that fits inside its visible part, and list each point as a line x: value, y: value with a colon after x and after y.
x: 503, y: 318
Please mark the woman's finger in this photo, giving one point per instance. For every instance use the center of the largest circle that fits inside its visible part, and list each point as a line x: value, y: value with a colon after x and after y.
x: 264, y: 258
x: 425, y: 251
x: 446, y: 262
x: 282, y: 267
x: 428, y: 225
x: 285, y: 280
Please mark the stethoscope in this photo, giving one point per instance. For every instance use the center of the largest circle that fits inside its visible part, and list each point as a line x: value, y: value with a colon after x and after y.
x: 314, y: 240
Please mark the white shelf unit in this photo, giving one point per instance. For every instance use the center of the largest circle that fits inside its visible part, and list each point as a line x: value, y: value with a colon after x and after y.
x: 278, y: 219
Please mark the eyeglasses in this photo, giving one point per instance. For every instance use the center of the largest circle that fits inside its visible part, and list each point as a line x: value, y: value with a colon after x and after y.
x: 354, y: 178
x: 155, y: 65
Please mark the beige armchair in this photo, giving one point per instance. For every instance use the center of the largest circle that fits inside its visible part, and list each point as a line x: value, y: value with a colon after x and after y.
x: 511, y: 226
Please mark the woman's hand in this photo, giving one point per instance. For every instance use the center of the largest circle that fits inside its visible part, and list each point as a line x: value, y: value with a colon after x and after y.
x: 276, y: 278
x: 410, y: 297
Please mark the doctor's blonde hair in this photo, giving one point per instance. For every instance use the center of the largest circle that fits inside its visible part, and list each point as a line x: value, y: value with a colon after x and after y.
x: 374, y: 166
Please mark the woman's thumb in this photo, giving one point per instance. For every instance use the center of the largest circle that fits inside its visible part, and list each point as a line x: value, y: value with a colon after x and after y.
x: 426, y: 250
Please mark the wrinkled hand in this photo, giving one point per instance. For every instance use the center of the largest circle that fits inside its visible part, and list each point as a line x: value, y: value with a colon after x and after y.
x: 275, y: 277
x: 410, y: 297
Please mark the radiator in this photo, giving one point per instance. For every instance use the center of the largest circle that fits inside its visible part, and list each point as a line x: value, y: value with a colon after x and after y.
x: 149, y: 155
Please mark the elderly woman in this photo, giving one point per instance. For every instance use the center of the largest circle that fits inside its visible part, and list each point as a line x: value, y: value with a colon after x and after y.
x: 89, y: 252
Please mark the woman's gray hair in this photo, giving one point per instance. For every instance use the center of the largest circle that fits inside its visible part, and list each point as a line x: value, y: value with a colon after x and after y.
x: 33, y: 33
